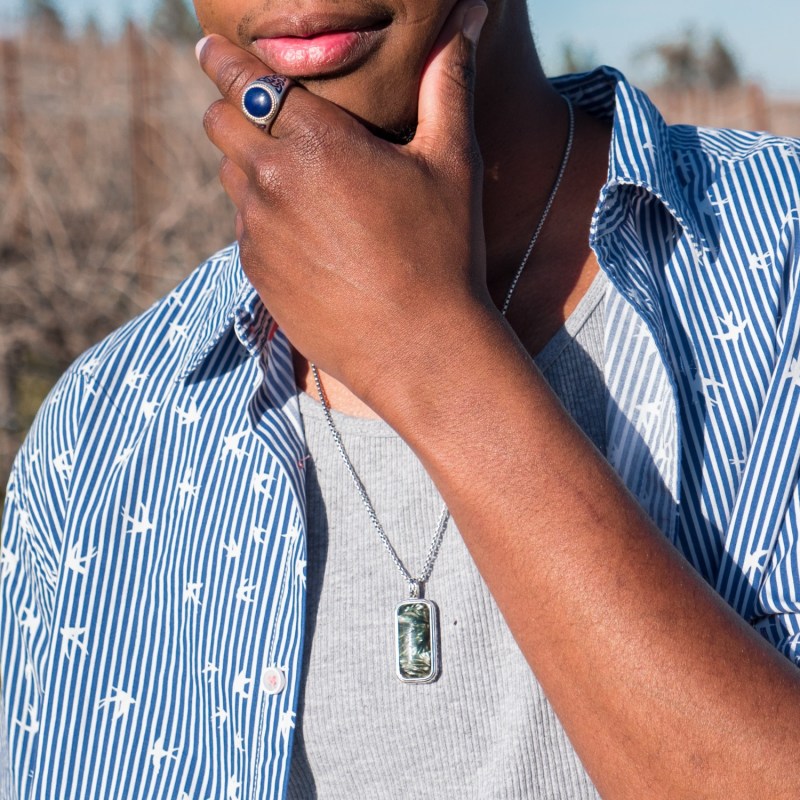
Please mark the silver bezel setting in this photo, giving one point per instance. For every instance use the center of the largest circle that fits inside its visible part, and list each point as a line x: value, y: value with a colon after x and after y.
x: 272, y: 92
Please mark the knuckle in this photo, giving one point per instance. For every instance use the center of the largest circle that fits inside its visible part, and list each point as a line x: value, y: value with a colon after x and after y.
x: 462, y: 75
x: 212, y: 117
x: 232, y: 77
x: 225, y: 170
x: 250, y: 213
x: 267, y: 176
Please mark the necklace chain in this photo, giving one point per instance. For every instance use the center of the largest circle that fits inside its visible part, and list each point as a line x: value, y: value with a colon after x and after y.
x: 417, y: 585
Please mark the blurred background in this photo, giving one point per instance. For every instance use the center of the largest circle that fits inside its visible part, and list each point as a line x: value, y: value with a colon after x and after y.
x: 108, y: 187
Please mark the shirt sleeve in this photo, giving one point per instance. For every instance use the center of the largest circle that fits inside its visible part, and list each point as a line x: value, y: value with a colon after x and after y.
x: 36, y: 507
x: 778, y: 601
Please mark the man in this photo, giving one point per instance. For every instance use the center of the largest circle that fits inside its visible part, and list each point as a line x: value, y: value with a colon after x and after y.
x: 193, y: 607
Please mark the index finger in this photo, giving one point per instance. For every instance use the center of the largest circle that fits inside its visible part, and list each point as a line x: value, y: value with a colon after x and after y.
x: 230, y: 67
x: 303, y: 114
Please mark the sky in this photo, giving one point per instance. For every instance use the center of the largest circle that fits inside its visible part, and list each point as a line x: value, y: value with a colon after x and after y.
x: 762, y: 35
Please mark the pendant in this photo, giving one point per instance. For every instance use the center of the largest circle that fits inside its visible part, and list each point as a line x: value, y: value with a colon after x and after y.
x: 417, y: 639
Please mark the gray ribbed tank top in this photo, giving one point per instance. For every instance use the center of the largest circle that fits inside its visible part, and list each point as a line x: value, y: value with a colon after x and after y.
x: 484, y: 729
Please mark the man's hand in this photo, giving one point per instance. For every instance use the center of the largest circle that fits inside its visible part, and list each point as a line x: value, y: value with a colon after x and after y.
x: 355, y: 244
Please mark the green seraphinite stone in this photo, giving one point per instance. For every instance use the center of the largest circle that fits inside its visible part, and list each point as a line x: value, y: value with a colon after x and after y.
x: 415, y: 641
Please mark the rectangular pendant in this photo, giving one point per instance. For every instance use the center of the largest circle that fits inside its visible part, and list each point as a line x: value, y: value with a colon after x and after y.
x: 417, y: 639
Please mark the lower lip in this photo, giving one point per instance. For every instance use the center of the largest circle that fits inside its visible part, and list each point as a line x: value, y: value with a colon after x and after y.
x: 317, y: 55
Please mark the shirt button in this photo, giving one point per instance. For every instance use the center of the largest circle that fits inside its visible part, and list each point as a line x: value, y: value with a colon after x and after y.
x: 273, y: 681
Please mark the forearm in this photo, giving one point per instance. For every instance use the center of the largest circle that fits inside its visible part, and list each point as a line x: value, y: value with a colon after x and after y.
x: 662, y: 688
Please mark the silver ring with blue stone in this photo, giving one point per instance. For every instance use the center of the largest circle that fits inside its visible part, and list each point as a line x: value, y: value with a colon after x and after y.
x: 262, y: 99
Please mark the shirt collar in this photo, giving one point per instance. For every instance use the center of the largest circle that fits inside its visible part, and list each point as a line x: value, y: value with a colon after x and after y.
x: 226, y: 300
x: 642, y: 153
x: 641, y: 156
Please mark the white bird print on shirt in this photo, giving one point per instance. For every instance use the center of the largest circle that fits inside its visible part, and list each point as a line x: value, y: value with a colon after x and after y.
x: 233, y: 549
x: 703, y: 386
x: 753, y: 561
x: 176, y: 298
x: 649, y: 409
x: 192, y: 594
x: 29, y: 620
x: 25, y: 522
x: 261, y: 481
x: 140, y: 522
x: 211, y: 670
x: 758, y: 262
x: 90, y: 367
x: 149, y: 409
x: 300, y: 571
x: 240, y: 683
x: 122, y: 702
x: 230, y: 446
x: 258, y: 534
x: 186, y: 488
x: 134, y: 379
x: 72, y: 640
x: 222, y: 715
x: 293, y: 534
x: 33, y: 725
x: 158, y: 752
x: 734, y: 328
x: 62, y: 464
x: 124, y: 455
x: 238, y: 742
x: 245, y: 591
x: 232, y: 790
x: 793, y: 372
x: 177, y: 332
x: 737, y: 463
x: 286, y: 723
x: 8, y: 561
x: 78, y: 563
x: 189, y: 416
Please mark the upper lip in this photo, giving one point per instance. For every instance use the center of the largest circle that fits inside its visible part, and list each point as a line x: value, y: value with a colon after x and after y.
x: 306, y: 26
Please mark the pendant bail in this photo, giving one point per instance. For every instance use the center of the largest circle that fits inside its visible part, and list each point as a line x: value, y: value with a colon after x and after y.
x: 415, y: 590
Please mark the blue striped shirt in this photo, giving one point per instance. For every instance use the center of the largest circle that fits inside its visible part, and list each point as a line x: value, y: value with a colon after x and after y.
x: 153, y: 549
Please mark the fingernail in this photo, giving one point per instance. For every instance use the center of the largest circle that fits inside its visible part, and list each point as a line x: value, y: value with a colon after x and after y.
x: 198, y: 48
x: 473, y: 21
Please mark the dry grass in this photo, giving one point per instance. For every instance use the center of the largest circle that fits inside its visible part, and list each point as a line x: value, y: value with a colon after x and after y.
x: 110, y: 198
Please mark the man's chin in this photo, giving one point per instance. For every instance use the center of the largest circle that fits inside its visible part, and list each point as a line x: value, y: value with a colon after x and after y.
x: 396, y: 124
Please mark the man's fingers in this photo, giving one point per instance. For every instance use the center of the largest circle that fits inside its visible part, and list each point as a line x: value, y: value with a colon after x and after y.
x: 445, y: 112
x: 229, y: 131
x: 235, y: 183
x: 228, y: 66
x: 310, y: 122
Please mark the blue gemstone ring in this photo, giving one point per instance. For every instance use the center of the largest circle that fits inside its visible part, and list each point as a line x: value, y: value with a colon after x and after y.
x: 262, y: 99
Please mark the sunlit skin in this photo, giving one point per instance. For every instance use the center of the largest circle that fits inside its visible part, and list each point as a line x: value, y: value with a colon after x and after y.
x: 384, y: 263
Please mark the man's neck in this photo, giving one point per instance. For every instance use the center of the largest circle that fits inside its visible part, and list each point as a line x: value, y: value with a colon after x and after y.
x: 522, y: 125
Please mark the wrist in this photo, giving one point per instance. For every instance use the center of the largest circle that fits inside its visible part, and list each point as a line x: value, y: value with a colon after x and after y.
x: 441, y: 368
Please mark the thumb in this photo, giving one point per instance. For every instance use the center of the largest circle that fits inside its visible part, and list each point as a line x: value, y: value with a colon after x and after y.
x: 447, y: 87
